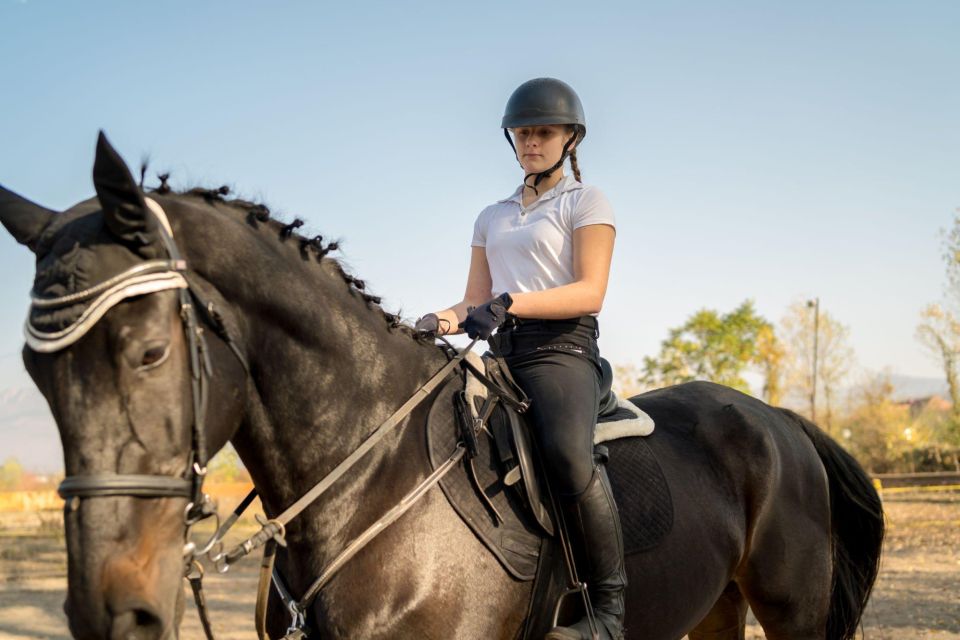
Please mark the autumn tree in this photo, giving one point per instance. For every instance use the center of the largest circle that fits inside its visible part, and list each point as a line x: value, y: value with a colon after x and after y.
x: 939, y: 332
x: 799, y: 330
x: 877, y: 430
x: 627, y: 380
x: 709, y: 346
x: 11, y: 473
x: 226, y: 466
x: 939, y: 328
x: 770, y: 360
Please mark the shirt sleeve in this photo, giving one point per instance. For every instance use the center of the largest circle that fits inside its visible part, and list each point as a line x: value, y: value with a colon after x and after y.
x: 593, y: 208
x: 479, y: 231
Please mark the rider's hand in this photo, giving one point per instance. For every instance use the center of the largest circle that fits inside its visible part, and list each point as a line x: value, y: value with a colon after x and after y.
x: 488, y: 317
x: 428, y: 326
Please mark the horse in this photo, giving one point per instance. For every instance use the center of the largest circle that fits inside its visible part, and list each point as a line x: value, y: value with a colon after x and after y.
x: 770, y: 512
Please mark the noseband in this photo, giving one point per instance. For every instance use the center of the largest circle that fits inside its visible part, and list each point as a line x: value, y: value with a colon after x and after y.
x: 147, y: 277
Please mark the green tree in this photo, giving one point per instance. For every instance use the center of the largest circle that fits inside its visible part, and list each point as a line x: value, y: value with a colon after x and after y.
x: 709, y: 346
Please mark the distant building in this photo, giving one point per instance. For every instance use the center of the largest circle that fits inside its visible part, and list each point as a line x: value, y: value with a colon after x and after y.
x: 934, y: 403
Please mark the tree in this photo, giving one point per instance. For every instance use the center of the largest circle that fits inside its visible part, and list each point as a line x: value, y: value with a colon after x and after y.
x: 939, y: 331
x: 939, y: 328
x: 627, y: 380
x: 708, y: 346
x: 799, y: 330
x: 227, y: 467
x: 770, y: 359
x: 951, y: 257
x: 877, y: 430
x: 11, y: 473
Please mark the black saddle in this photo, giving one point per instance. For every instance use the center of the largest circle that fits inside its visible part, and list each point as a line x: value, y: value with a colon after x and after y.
x: 500, y: 491
x: 608, y: 399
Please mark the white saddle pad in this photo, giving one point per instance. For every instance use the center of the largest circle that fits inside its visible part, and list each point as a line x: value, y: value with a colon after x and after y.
x: 640, y: 424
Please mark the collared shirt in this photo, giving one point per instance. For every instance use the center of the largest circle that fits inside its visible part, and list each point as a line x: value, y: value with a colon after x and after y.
x: 531, y: 249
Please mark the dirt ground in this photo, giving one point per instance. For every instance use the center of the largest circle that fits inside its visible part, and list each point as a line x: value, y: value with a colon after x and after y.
x: 916, y: 596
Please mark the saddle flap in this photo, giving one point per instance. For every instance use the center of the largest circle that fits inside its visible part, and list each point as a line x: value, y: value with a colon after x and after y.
x: 522, y: 447
x: 495, y: 513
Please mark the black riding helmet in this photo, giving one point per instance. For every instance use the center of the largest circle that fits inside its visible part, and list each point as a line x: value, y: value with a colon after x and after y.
x: 545, y: 101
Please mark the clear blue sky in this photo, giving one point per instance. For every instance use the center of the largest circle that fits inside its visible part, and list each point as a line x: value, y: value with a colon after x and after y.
x: 773, y: 151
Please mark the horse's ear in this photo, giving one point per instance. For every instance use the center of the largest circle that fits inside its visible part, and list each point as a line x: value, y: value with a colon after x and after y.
x: 124, y: 209
x: 24, y: 220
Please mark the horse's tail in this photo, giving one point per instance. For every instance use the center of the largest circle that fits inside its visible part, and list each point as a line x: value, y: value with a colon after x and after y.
x: 857, y: 526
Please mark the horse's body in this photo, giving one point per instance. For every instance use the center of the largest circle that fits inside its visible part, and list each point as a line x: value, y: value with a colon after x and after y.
x: 754, y: 522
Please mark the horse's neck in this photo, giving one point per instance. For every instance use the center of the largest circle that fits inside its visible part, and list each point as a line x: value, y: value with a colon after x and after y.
x: 325, y: 368
x: 313, y: 404
x: 326, y: 371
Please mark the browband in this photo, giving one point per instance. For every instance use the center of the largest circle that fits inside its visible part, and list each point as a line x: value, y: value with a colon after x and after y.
x: 141, y: 279
x: 133, y: 282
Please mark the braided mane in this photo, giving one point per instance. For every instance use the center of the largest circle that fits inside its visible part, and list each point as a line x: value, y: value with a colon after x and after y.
x: 259, y: 214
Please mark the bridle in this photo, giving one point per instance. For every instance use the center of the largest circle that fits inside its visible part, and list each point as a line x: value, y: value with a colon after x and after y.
x: 171, y: 274
x: 147, y: 277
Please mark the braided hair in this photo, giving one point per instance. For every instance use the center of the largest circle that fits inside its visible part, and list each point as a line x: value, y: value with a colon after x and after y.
x: 574, y: 165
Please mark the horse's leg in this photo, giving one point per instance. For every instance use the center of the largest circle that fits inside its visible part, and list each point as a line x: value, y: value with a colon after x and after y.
x: 787, y: 574
x: 727, y: 619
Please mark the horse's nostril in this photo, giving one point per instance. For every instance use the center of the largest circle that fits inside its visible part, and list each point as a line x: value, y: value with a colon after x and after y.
x: 136, y: 624
x: 146, y: 618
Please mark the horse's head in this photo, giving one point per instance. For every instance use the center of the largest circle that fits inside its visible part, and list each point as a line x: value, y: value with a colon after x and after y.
x: 107, y: 347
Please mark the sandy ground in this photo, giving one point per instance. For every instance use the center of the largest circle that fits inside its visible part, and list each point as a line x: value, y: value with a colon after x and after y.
x: 917, y: 595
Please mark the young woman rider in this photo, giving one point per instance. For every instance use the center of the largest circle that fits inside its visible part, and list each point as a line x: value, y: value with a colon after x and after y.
x: 538, y: 273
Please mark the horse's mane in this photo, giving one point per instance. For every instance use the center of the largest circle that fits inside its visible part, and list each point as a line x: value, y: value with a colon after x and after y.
x: 259, y: 213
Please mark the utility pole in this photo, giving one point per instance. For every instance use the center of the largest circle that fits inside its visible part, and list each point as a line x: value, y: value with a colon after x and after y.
x: 815, y: 304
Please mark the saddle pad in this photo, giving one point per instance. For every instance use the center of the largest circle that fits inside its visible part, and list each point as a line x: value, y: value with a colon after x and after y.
x: 642, y: 495
x: 628, y: 420
x: 515, y: 542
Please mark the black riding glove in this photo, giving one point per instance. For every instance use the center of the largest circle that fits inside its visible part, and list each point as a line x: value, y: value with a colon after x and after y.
x: 482, y: 321
x: 428, y: 326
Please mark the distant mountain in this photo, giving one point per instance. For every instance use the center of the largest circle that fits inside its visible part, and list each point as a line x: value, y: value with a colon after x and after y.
x: 27, y: 430
x: 909, y: 387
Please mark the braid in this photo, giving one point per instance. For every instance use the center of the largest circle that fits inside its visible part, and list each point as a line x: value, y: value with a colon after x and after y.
x: 574, y: 165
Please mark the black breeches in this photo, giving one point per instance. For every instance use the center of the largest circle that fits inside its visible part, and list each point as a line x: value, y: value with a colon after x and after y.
x: 557, y: 364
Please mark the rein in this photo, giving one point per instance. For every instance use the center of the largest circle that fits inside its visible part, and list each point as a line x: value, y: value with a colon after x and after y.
x: 161, y: 275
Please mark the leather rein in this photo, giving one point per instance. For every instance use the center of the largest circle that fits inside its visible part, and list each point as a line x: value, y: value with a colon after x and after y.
x: 172, y: 274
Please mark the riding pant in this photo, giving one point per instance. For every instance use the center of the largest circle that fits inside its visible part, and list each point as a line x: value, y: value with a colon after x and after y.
x: 557, y: 363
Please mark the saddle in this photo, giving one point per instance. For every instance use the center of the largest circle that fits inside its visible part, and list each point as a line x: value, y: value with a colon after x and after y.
x: 501, y: 492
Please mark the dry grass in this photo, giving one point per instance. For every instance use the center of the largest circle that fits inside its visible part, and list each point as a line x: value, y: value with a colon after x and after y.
x: 917, y: 595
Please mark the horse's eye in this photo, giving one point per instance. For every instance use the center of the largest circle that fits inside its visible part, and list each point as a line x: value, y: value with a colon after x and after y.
x: 153, y: 356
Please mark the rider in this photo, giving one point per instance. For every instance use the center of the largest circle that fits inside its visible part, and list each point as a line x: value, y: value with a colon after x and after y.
x: 538, y: 272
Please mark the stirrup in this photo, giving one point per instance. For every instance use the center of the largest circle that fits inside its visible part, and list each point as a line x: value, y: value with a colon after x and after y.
x: 557, y: 632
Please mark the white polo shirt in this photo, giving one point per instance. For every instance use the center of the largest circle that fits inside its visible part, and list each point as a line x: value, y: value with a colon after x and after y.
x: 531, y: 249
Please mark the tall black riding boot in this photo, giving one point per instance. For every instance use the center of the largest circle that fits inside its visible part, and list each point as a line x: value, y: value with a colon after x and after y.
x: 594, y: 526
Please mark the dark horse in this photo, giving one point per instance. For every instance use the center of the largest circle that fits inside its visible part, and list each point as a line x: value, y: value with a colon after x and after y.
x: 769, y: 511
